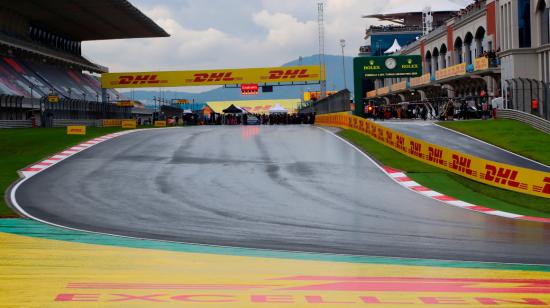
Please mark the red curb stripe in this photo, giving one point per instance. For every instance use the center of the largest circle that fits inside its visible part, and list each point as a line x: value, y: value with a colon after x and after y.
x: 43, y: 164
x: 448, y: 199
x: 420, y: 188
x: 403, y: 179
x: 32, y: 169
x: 532, y: 218
x: 445, y: 198
x: 479, y: 208
x: 391, y: 170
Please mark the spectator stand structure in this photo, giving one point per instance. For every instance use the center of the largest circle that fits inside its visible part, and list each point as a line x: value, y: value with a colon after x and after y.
x: 459, y: 60
x: 41, y: 55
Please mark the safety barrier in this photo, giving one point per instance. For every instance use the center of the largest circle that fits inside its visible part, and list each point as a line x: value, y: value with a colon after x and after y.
x: 69, y: 122
x: 527, y: 118
x: 15, y: 123
x: 496, y: 174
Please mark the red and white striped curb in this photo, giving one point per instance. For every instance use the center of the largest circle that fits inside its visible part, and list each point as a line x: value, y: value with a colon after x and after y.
x: 54, y: 159
x: 404, y: 180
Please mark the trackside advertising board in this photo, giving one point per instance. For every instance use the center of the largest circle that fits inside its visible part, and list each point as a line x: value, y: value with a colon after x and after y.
x: 387, y: 67
x: 500, y: 175
x: 76, y: 130
x: 211, y: 77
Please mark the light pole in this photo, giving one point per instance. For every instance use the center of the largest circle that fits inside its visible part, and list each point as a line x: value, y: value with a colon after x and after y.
x: 343, y: 44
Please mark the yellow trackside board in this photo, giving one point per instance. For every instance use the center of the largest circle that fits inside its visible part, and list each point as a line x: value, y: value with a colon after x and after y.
x: 38, y: 272
x: 268, y: 75
x: 523, y: 180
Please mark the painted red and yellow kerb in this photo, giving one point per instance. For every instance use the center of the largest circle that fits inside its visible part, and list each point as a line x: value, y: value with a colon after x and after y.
x: 39, y: 272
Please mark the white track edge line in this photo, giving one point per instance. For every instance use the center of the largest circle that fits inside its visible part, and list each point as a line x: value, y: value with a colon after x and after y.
x: 14, y: 203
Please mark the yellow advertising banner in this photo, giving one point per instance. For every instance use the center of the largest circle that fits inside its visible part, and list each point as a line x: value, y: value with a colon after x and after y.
x: 211, y: 77
x: 112, y: 123
x: 160, y: 123
x: 500, y: 175
x: 53, y: 99
x: 76, y: 130
x: 481, y: 63
x: 128, y: 124
x: 451, y: 71
x: 125, y: 103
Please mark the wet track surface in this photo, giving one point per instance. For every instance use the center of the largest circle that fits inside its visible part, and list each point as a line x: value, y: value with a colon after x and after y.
x: 289, y: 188
x: 450, y: 139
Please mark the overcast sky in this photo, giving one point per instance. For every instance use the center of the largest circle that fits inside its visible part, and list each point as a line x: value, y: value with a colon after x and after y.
x: 243, y: 33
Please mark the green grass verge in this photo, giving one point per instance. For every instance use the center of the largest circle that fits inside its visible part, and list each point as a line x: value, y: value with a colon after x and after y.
x: 451, y: 184
x: 24, y: 146
x: 512, y: 135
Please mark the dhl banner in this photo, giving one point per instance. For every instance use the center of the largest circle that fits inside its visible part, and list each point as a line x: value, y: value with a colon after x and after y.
x: 500, y: 175
x: 128, y: 124
x: 111, y: 123
x: 160, y: 124
x: 76, y: 130
x: 211, y: 77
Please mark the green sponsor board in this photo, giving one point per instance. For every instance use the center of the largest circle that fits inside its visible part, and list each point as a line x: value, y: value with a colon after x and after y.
x: 388, y: 67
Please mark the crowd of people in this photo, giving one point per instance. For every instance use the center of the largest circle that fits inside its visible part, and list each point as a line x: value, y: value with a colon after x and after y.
x: 259, y: 119
x: 408, y: 111
x: 474, y: 6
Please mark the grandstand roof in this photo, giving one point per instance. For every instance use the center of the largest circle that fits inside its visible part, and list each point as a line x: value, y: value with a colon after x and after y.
x: 86, y: 20
x: 398, y: 15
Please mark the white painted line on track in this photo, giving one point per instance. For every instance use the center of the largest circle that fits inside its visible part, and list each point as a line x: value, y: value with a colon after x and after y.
x: 13, y: 201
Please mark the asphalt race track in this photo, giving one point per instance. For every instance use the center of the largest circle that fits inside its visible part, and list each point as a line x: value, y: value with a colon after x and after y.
x: 293, y: 188
x: 450, y: 139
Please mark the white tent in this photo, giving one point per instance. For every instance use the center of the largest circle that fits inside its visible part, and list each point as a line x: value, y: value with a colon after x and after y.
x: 394, y: 48
x: 243, y: 110
x: 278, y: 109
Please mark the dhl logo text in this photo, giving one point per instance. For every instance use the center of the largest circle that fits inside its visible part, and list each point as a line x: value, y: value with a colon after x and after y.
x: 211, y: 77
x: 139, y: 79
x: 400, y: 142
x: 288, y: 74
x: 389, y: 138
x: 415, y: 149
x: 436, y: 155
x: 462, y: 164
x: 502, y: 176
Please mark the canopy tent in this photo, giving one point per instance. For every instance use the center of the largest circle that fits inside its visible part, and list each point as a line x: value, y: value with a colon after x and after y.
x: 256, y: 106
x: 394, y: 48
x: 278, y: 109
x: 187, y: 111
x: 232, y: 109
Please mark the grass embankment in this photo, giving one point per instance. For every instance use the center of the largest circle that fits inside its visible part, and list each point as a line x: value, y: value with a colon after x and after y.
x: 451, y: 184
x: 511, y: 135
x: 24, y: 146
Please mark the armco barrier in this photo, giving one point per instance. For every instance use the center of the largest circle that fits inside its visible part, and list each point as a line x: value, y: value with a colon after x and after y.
x: 527, y: 118
x: 15, y: 123
x: 500, y: 175
x: 69, y: 122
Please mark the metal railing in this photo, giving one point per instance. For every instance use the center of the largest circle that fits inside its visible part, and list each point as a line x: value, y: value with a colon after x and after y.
x: 527, y: 118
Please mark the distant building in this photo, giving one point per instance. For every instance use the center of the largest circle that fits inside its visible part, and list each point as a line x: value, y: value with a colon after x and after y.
x: 405, y: 28
x: 491, y: 48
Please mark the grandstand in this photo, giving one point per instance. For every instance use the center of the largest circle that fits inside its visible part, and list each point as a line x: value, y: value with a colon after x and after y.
x: 40, y: 55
